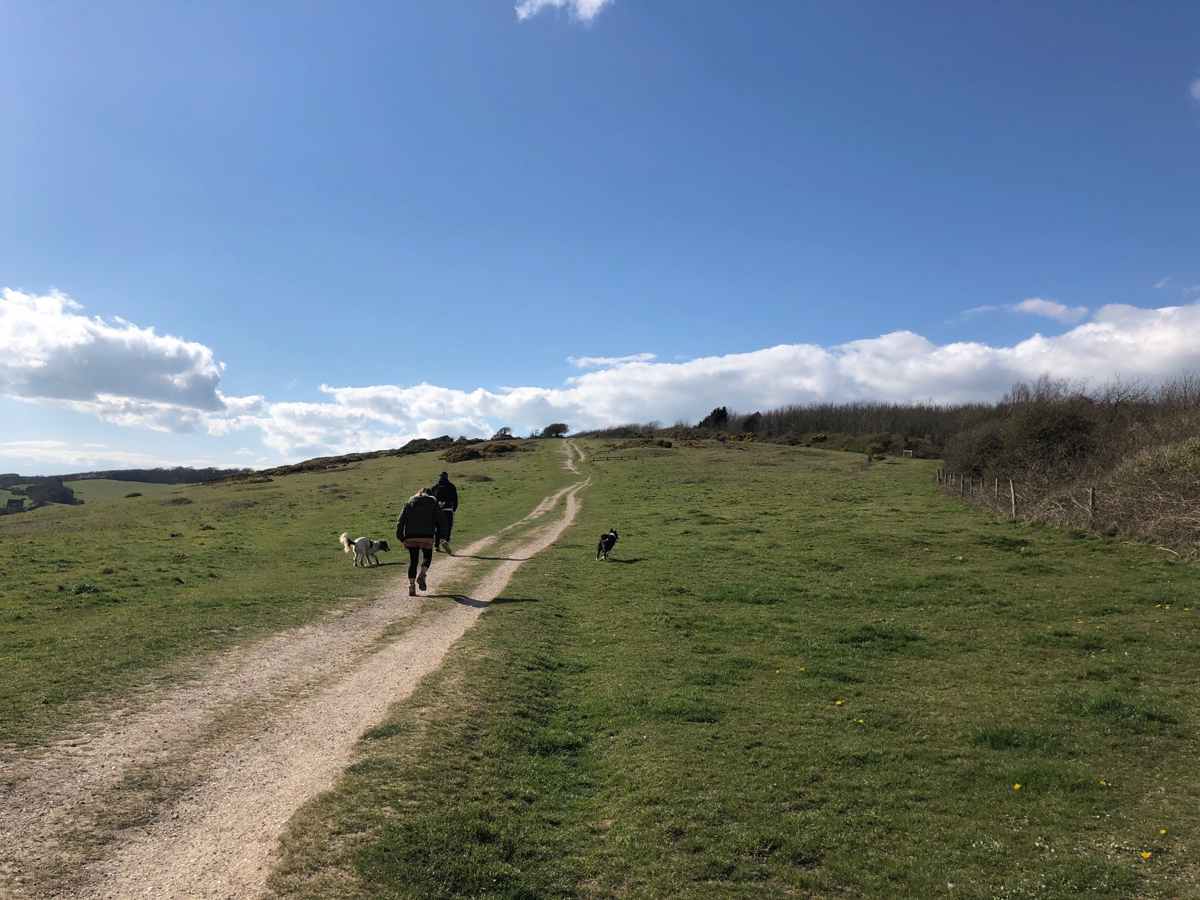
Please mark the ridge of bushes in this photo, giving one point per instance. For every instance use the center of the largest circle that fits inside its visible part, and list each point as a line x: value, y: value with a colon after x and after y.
x: 1133, y: 449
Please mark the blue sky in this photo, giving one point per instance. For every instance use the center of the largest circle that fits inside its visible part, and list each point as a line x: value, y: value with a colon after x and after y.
x: 348, y: 224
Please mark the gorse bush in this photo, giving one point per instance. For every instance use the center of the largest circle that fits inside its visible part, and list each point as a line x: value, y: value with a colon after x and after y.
x: 1156, y: 494
x: 1052, y: 430
x: 1136, y: 448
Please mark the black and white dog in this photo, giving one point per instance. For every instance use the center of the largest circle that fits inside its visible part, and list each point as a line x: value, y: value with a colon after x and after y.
x: 607, y: 542
x: 363, y: 548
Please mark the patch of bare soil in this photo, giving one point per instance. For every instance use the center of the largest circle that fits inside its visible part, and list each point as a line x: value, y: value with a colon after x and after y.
x: 184, y: 792
x: 574, y: 456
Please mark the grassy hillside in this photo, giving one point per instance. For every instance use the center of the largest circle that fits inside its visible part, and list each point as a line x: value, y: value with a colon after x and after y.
x: 100, y: 597
x: 95, y: 490
x: 803, y: 677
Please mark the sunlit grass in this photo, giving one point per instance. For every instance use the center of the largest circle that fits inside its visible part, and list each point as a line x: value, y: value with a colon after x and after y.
x: 799, y: 676
x: 99, y: 597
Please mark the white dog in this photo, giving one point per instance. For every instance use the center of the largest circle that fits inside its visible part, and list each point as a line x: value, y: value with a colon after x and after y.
x: 363, y: 548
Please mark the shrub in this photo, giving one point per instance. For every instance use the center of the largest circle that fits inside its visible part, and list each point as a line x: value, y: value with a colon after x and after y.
x: 1156, y: 494
x: 978, y: 450
x: 1136, y: 448
x: 488, y: 450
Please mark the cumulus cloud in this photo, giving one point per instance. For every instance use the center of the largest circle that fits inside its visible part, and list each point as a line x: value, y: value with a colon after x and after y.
x: 1125, y: 341
x: 581, y: 10
x: 53, y: 352
x: 901, y: 366
x: 1194, y: 90
x: 598, y: 362
x: 115, y: 370
x: 1036, y: 306
x: 1162, y: 283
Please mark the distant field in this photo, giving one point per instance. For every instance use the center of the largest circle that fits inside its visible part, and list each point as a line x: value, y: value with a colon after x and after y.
x: 97, y: 489
x: 799, y: 677
x: 95, y: 599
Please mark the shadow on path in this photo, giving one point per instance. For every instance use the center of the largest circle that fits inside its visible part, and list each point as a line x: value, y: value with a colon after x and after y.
x: 627, y: 562
x: 494, y: 558
x: 464, y: 600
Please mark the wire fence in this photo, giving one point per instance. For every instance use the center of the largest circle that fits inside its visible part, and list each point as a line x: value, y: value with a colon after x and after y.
x: 1076, y: 506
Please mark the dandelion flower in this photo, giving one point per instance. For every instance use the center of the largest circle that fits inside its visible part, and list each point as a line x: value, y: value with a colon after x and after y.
x: 863, y: 722
x: 1163, y: 832
x: 1145, y: 854
x: 1017, y: 786
x: 839, y: 702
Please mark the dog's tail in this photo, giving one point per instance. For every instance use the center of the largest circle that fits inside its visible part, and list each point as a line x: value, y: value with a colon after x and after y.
x: 347, y: 547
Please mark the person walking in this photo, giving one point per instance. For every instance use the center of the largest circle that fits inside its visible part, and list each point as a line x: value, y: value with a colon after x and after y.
x: 421, y: 523
x: 447, y: 497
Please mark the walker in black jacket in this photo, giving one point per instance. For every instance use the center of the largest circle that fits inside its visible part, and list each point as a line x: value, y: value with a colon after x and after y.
x: 447, y: 496
x: 421, y: 524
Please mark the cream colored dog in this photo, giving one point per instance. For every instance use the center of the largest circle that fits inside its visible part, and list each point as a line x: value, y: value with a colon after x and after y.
x: 363, y: 548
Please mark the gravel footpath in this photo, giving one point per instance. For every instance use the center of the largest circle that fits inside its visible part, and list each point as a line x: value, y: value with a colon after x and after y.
x: 185, y: 791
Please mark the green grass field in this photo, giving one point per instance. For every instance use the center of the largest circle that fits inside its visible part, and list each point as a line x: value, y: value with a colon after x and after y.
x: 800, y: 677
x: 100, y: 598
x: 95, y: 490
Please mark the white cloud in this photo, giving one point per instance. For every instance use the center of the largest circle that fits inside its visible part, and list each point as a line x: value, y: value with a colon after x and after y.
x: 1124, y: 341
x: 597, y: 362
x: 1162, y: 283
x: 1035, y: 306
x: 1194, y: 90
x: 117, y: 371
x: 52, y: 352
x: 581, y: 10
x: 1051, y: 309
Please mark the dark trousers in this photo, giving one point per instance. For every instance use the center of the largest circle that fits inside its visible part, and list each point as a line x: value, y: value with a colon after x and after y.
x: 449, y: 525
x: 415, y: 553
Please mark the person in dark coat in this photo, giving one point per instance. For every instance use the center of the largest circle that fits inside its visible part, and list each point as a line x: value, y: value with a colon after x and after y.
x: 421, y: 524
x: 447, y: 496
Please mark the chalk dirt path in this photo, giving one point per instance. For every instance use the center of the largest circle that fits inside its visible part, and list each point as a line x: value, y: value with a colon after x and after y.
x: 574, y: 456
x: 185, y: 793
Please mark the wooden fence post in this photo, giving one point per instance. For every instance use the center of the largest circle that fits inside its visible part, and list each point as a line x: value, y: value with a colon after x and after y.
x: 996, y: 489
x: 961, y: 484
x: 1012, y: 494
x: 1091, y: 505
